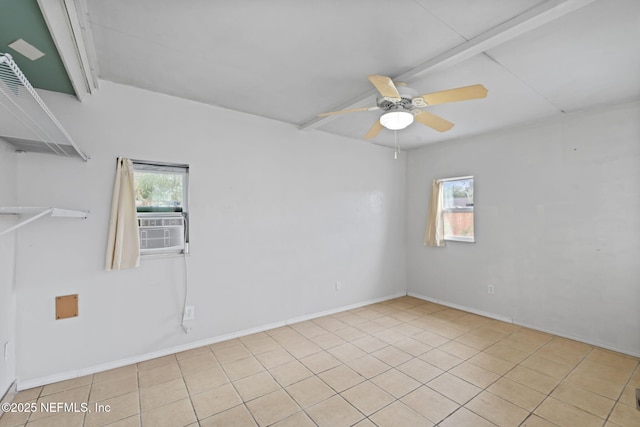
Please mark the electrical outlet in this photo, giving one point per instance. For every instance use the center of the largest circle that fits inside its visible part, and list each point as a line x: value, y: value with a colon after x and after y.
x: 189, y: 313
x: 6, y: 351
x: 491, y: 290
x: 338, y: 286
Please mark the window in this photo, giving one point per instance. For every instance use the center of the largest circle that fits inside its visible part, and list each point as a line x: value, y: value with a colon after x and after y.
x: 457, y: 208
x: 162, y: 204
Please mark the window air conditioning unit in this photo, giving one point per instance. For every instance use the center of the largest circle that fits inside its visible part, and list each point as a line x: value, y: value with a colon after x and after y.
x: 161, y: 233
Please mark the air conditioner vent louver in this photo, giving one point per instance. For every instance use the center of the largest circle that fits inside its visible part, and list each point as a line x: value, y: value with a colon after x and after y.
x: 25, y: 121
x: 161, y: 233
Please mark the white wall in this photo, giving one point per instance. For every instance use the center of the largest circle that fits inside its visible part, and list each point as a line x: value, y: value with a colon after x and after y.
x: 7, y: 248
x: 557, y: 226
x: 277, y: 217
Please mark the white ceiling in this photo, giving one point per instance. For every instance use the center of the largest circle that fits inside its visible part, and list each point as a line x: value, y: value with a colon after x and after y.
x: 290, y: 60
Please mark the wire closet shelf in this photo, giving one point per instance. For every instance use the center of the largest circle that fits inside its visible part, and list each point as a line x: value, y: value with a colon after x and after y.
x: 29, y: 124
x: 37, y: 212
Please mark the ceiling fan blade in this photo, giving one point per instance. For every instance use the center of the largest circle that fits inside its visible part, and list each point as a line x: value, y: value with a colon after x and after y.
x: 433, y: 121
x: 454, y: 95
x: 386, y: 87
x: 352, y: 110
x: 374, y: 131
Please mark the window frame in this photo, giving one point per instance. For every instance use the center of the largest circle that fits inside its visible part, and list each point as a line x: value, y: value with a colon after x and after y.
x: 165, y: 167
x: 455, y: 238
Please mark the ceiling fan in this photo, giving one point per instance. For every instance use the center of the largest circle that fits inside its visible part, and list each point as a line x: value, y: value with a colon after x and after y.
x: 402, y: 105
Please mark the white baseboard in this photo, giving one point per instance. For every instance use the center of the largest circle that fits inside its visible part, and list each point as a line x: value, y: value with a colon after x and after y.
x: 344, y: 308
x: 463, y: 308
x: 67, y: 375
x: 580, y: 339
x: 525, y: 325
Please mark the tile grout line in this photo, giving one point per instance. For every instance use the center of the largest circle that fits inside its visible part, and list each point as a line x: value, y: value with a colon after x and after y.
x: 139, y: 394
x: 485, y: 388
x: 406, y: 317
x: 184, y: 383
x: 425, y: 384
x: 636, y: 369
x: 584, y: 357
x: 339, y: 393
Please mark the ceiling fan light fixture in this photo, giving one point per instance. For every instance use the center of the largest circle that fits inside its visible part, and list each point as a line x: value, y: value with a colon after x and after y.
x: 396, y: 120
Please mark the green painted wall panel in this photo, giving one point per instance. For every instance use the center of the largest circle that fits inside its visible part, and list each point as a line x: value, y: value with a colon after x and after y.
x: 22, y: 19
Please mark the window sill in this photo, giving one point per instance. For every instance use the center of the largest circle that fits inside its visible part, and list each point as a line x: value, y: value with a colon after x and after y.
x: 163, y: 255
x: 460, y: 239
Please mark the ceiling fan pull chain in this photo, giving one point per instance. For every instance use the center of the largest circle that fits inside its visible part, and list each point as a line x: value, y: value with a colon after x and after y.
x: 395, y: 155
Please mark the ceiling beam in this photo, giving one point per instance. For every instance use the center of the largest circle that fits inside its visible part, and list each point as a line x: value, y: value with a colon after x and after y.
x: 533, y: 18
x: 66, y: 22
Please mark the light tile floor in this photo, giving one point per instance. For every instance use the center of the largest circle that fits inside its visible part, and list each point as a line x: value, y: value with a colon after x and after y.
x: 400, y: 363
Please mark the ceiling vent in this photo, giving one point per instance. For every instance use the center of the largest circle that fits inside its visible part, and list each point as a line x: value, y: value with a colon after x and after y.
x: 25, y: 121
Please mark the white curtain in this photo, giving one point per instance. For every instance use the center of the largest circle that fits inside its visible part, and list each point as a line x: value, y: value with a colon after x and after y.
x: 123, y: 246
x: 434, y: 236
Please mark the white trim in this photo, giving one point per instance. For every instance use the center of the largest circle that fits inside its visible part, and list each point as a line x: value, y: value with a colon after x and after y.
x: 67, y: 27
x: 152, y: 166
x: 462, y: 307
x: 454, y: 238
x: 524, y: 325
x: 344, y: 308
x: 465, y: 239
x: 580, y: 339
x: 455, y: 178
x: 67, y: 375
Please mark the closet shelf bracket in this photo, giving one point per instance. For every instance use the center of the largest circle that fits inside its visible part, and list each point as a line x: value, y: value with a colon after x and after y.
x: 38, y: 212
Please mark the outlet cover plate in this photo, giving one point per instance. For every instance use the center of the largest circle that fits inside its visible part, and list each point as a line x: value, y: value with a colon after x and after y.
x: 189, y: 313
